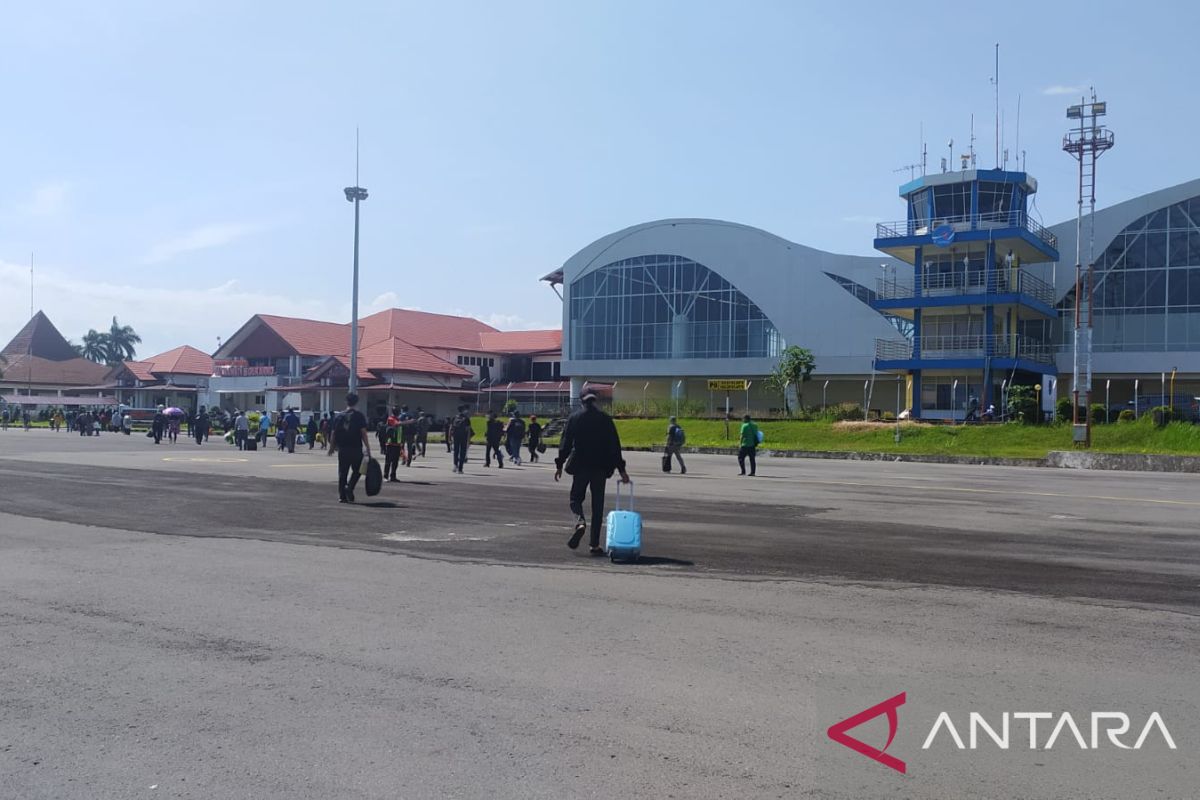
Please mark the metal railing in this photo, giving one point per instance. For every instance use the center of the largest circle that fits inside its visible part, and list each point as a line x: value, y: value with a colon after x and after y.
x: 968, y: 346
x: 1000, y: 281
x: 967, y: 222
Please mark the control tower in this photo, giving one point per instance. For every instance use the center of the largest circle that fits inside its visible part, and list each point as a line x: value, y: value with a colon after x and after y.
x: 981, y: 318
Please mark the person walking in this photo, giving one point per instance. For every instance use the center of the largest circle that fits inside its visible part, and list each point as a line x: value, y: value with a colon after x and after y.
x: 241, y: 429
x: 291, y: 429
x: 749, y: 445
x: 590, y: 452
x: 173, y: 429
x: 535, y: 438
x: 408, y: 434
x: 461, y: 431
x: 423, y: 423
x: 448, y: 432
x: 264, y: 427
x: 491, y: 440
x: 675, y: 439
x: 348, y: 438
x: 390, y: 439
x: 515, y: 433
x: 158, y: 424
x: 200, y: 425
x: 310, y: 432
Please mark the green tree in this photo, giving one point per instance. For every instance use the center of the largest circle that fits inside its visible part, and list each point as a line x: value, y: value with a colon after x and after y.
x: 121, y: 342
x: 795, y: 367
x: 95, y: 346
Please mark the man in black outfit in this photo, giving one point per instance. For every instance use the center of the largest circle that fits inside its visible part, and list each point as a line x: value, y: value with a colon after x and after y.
x: 348, y: 437
x: 461, y: 431
x: 590, y: 451
x: 491, y: 438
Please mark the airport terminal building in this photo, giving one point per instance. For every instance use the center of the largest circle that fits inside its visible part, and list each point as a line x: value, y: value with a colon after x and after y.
x: 661, y: 308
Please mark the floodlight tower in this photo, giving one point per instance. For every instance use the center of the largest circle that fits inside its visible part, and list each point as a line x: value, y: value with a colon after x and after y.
x: 1085, y: 143
x: 354, y: 194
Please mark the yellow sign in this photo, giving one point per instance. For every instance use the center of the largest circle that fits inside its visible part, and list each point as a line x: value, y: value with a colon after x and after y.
x: 727, y: 386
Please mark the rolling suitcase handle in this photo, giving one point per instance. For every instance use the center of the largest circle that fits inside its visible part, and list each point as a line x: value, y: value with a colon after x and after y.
x: 618, y: 505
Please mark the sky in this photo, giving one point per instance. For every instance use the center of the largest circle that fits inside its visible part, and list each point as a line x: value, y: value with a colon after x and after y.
x: 181, y: 165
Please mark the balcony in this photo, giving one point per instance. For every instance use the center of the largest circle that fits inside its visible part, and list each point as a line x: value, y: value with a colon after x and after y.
x: 970, y: 282
x: 971, y: 346
x: 967, y: 223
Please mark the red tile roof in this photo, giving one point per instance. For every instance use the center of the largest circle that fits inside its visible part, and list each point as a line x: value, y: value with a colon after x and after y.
x: 40, y: 338
x: 392, y: 355
x: 141, y: 370
x: 67, y: 372
x: 310, y: 337
x: 423, y: 329
x: 184, y: 360
x: 521, y: 342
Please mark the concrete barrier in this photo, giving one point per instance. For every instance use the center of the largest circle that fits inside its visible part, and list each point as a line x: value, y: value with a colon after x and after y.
x: 1060, y: 459
x: 1132, y: 462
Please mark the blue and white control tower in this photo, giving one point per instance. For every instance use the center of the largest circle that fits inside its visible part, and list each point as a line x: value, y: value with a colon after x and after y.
x: 981, y: 316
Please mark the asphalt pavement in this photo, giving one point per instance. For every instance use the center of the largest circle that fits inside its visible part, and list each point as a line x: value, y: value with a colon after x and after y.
x: 214, y: 624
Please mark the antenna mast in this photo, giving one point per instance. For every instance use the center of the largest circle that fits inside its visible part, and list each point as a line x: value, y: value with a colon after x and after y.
x: 996, y: 92
x: 1085, y: 143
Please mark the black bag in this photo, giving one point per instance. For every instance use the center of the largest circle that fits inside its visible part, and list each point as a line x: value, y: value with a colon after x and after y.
x: 541, y: 448
x: 374, y: 477
x: 666, y: 462
x: 250, y: 444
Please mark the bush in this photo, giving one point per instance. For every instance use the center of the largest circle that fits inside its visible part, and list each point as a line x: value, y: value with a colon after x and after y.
x: 1099, y: 414
x: 1023, y: 405
x: 510, y: 406
x: 842, y: 411
x: 1062, y: 409
x: 889, y: 416
x: 1126, y: 415
x: 1162, y: 415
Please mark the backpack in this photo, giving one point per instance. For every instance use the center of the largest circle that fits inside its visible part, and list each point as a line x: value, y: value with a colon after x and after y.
x: 516, y: 429
x: 341, y: 429
x: 461, y: 424
x: 678, y: 437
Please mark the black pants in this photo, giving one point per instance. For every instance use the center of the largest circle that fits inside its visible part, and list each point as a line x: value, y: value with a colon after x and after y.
x: 487, y: 454
x: 349, y: 463
x: 742, y: 454
x: 409, y: 446
x: 200, y: 435
x: 391, y: 460
x: 581, y: 483
x: 289, y: 439
x: 449, y: 442
x: 461, y: 443
x: 421, y: 442
x: 157, y: 434
x: 239, y: 438
x: 533, y: 453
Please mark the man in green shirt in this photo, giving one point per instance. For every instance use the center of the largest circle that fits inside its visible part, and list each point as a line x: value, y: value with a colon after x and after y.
x: 749, y: 442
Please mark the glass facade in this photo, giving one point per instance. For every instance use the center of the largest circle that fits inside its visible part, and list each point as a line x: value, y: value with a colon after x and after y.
x: 904, y: 326
x: 665, y: 306
x: 1147, y: 290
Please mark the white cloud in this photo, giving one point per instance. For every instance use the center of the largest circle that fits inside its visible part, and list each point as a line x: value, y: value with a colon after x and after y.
x: 507, y: 322
x: 1058, y: 89
x: 863, y: 219
x: 48, y: 200
x: 164, y: 316
x: 202, y: 238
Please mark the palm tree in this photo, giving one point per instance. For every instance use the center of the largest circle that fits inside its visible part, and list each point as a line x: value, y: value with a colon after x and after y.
x: 95, y: 346
x: 121, y: 341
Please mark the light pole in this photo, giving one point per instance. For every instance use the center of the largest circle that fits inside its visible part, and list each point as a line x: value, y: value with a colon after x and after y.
x: 354, y: 194
x: 1107, y: 413
x: 899, y: 378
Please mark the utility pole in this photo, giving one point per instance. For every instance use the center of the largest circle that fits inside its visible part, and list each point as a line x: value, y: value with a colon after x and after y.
x: 1085, y: 143
x: 354, y: 194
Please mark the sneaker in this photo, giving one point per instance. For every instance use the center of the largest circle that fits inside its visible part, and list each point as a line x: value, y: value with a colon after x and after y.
x: 683, y: 471
x: 350, y: 496
x: 577, y: 536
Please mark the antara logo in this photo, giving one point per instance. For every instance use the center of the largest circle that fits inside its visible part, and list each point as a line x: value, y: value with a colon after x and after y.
x: 837, y: 732
x: 1114, y: 725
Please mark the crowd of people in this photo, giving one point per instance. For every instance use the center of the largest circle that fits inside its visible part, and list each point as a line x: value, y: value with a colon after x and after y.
x: 590, y: 448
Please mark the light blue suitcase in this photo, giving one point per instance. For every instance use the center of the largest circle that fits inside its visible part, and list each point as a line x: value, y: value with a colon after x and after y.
x: 623, y: 539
